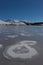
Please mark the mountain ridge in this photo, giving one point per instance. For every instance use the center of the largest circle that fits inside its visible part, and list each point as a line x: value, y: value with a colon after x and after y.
x: 19, y: 22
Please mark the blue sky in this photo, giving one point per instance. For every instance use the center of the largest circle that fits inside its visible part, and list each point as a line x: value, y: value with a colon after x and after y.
x: 30, y: 10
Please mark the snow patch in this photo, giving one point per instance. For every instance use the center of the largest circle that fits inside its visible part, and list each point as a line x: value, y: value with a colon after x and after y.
x: 1, y: 45
x: 12, y: 36
x: 20, y: 50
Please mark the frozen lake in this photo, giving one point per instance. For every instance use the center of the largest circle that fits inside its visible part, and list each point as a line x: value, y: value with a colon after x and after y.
x: 21, y: 45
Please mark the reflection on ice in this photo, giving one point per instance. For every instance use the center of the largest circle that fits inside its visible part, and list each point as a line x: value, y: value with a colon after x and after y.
x: 21, y: 50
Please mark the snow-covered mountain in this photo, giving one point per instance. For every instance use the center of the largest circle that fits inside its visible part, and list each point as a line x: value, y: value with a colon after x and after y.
x: 18, y: 22
x: 3, y: 22
x: 14, y: 22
